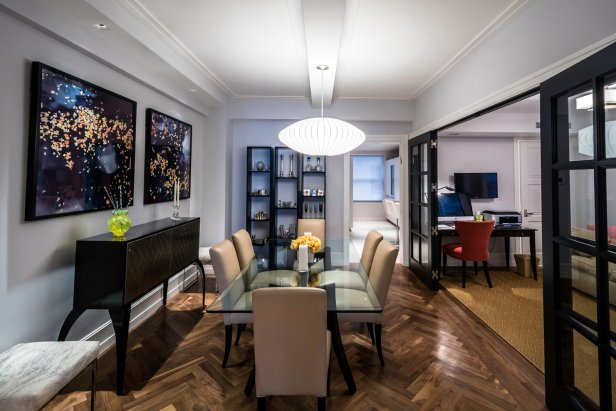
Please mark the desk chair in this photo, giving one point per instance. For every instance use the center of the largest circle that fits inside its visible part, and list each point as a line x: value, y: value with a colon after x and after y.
x: 292, y: 343
x: 474, y: 237
x: 226, y: 268
x: 380, y: 278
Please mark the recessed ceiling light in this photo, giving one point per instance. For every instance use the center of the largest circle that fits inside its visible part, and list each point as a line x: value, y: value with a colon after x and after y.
x: 101, y: 26
x: 194, y: 90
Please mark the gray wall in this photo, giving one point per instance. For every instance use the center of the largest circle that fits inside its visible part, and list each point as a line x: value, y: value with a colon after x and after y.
x: 481, y: 154
x: 36, y: 258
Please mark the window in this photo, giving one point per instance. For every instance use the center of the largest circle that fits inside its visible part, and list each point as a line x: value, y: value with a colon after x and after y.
x: 368, y: 177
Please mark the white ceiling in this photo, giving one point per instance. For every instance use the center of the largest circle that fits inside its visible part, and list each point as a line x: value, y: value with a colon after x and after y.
x: 385, y: 49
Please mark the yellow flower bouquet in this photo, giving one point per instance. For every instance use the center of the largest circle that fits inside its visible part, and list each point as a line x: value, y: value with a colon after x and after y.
x: 313, y: 243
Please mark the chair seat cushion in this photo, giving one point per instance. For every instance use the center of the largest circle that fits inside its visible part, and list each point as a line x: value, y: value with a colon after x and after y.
x: 343, y: 279
x: 454, y: 250
x: 284, y: 278
x: 31, y: 374
x: 204, y: 255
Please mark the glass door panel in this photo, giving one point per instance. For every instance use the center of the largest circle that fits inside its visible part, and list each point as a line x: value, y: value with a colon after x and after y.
x: 420, y: 187
x: 575, y: 125
x: 610, y: 116
x: 578, y: 170
x: 578, y: 282
x: 580, y: 364
x: 577, y: 195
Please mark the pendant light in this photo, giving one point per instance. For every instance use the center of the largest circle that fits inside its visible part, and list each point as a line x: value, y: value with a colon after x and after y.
x: 322, y: 136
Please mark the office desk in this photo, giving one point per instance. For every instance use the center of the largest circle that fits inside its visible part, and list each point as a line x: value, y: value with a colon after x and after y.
x: 505, y: 232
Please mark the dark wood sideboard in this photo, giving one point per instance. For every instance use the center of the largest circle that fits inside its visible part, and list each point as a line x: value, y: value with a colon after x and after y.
x: 111, y: 274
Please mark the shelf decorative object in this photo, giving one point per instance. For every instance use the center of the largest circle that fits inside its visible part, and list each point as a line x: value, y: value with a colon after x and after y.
x: 319, y: 166
x: 119, y: 222
x: 282, y: 165
x: 175, y: 213
x: 291, y: 166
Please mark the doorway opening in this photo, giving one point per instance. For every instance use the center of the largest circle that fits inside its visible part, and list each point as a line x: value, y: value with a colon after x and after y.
x: 375, y: 177
x: 501, y: 147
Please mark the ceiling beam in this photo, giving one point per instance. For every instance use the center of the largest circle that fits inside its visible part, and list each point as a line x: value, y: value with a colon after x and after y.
x: 323, y: 25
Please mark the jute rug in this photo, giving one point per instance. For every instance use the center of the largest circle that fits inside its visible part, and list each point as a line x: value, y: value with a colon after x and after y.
x: 513, y: 308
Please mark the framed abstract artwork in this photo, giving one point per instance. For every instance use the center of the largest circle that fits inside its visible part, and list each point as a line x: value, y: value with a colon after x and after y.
x: 167, y: 157
x: 81, y: 146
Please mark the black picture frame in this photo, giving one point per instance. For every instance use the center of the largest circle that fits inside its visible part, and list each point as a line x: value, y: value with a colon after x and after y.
x: 81, y: 143
x: 168, y: 156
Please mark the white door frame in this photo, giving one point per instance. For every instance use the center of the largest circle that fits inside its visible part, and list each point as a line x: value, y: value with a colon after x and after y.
x: 402, y: 141
x: 517, y: 174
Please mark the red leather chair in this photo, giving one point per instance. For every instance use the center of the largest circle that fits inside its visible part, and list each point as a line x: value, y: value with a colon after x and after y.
x: 475, y: 236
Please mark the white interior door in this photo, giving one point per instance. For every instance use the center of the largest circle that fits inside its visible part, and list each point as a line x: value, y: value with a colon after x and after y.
x: 529, y: 160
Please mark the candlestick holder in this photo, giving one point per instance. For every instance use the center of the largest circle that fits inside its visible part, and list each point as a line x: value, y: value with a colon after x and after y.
x: 175, y: 213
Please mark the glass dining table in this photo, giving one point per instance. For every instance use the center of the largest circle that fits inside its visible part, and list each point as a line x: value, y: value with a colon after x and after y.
x: 347, y: 286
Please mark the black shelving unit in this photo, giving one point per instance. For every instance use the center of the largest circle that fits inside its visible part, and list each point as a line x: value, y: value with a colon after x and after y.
x: 285, y: 191
x: 312, y: 188
x: 259, y: 193
x: 286, y: 178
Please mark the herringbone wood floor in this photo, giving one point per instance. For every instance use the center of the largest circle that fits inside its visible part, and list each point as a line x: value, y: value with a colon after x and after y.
x: 437, y: 356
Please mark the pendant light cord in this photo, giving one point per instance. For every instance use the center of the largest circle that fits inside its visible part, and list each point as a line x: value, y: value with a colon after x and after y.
x: 322, y: 92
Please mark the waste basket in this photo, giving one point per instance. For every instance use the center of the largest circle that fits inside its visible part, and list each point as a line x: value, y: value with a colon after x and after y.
x: 523, y: 264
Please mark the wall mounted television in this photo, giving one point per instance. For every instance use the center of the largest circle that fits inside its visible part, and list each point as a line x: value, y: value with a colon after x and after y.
x: 477, y: 185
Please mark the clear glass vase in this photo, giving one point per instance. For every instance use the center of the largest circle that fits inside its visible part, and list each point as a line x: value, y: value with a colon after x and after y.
x: 119, y: 222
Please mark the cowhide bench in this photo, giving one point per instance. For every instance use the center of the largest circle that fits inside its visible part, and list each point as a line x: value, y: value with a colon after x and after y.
x: 31, y: 374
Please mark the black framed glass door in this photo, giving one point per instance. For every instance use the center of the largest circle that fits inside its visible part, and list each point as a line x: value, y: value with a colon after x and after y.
x: 578, y: 145
x: 422, y: 195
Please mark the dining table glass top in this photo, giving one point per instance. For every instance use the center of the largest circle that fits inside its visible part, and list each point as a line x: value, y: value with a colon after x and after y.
x: 347, y: 284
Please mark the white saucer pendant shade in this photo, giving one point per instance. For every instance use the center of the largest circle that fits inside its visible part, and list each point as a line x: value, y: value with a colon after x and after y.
x: 322, y: 136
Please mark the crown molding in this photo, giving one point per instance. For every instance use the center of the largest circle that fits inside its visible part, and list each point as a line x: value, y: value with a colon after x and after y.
x: 500, y: 20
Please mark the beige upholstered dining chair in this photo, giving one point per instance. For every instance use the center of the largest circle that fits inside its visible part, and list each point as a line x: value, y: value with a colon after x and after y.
x: 316, y: 226
x: 351, y: 279
x: 292, y: 343
x: 380, y: 279
x: 226, y: 268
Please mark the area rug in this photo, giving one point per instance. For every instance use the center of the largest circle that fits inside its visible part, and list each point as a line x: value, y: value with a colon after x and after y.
x: 513, y: 308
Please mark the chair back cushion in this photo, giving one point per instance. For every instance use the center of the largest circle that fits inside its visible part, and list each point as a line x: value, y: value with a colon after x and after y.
x: 316, y: 226
x: 475, y: 236
x: 367, y: 254
x: 290, y: 341
x: 243, y: 247
x: 224, y: 263
x: 382, y: 269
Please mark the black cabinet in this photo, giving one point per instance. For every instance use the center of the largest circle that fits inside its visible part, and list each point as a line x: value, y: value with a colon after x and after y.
x: 259, y: 193
x: 111, y: 273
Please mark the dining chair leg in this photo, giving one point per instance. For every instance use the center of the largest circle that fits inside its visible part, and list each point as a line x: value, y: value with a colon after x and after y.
x: 476, y: 268
x: 487, y: 273
x: 379, y: 350
x: 321, y: 404
x: 228, y: 338
x: 463, y: 274
x: 328, y: 373
x: 251, y: 382
x: 261, y: 403
x: 240, y: 328
x: 370, y: 331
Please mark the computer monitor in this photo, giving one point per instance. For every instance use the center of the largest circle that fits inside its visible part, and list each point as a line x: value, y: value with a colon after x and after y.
x: 451, y: 205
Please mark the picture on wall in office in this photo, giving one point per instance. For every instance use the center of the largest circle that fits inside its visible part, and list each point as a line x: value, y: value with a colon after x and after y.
x: 81, y: 146
x: 167, y: 157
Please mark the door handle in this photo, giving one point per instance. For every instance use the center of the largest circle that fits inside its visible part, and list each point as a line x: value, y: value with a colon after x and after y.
x: 526, y: 213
